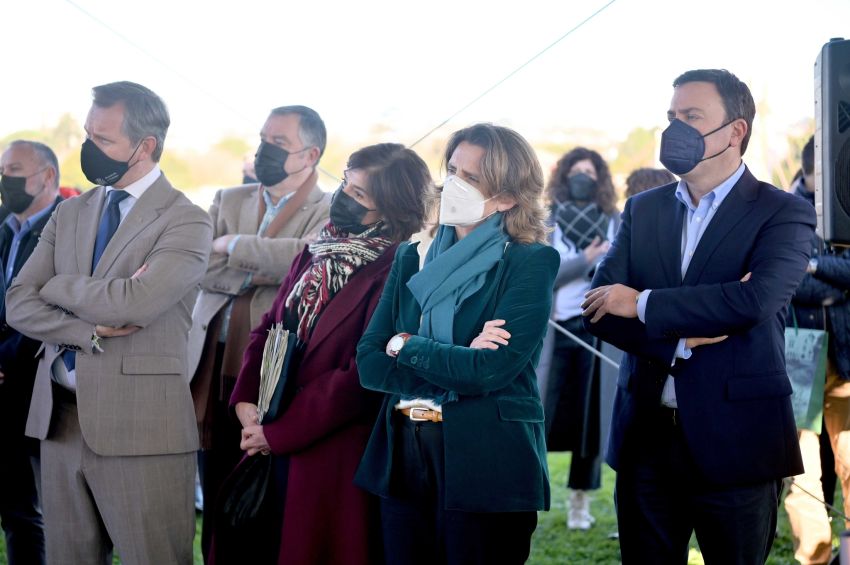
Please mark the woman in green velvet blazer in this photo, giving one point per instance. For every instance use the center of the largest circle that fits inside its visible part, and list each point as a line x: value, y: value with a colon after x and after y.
x: 458, y: 454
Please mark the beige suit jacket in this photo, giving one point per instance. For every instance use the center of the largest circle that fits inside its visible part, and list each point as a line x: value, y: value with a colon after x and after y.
x: 133, y: 398
x: 235, y: 211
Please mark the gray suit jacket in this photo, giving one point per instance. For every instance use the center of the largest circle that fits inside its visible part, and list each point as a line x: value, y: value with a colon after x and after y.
x: 234, y: 211
x: 133, y: 398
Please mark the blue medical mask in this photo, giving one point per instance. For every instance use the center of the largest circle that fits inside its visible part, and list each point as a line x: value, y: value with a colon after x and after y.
x: 683, y: 146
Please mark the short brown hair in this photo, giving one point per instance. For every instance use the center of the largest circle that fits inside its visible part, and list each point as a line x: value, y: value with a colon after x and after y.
x: 509, y: 167
x: 400, y: 184
x: 145, y: 114
x: 736, y: 96
x: 645, y: 178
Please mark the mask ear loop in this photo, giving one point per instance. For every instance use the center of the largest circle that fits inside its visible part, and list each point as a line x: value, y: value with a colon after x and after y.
x: 715, y: 131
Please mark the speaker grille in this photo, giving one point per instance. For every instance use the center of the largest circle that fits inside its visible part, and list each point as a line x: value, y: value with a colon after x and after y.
x: 843, y: 116
x: 842, y: 177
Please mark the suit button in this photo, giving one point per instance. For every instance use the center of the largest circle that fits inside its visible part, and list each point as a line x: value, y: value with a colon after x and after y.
x: 204, y: 327
x: 413, y: 360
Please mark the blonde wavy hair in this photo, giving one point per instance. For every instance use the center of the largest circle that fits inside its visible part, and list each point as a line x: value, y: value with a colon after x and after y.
x: 509, y: 167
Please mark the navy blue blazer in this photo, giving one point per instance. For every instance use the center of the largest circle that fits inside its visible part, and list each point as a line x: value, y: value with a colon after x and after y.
x: 733, y: 396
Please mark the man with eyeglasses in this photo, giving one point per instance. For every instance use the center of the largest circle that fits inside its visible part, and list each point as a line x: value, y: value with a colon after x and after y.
x: 29, y: 188
x: 258, y: 230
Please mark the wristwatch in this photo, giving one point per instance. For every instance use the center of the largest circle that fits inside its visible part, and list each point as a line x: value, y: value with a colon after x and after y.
x: 396, y: 343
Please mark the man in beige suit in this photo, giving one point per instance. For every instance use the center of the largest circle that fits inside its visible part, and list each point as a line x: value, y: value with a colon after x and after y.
x: 109, y: 290
x: 259, y: 229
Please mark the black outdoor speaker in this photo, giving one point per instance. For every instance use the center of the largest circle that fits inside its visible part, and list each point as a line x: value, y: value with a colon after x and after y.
x: 832, y: 141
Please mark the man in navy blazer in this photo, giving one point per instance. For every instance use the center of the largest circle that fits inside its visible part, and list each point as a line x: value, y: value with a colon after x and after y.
x: 695, y: 289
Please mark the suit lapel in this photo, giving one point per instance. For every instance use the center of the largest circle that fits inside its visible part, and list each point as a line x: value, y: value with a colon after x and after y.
x: 143, y: 213
x: 734, y: 208
x: 88, y: 217
x: 670, y: 239
x: 248, y: 219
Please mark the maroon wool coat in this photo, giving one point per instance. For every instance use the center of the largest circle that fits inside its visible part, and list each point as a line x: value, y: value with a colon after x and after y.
x: 324, y: 430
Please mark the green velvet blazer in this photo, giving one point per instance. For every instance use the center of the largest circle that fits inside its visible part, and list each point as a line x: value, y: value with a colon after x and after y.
x: 494, y: 439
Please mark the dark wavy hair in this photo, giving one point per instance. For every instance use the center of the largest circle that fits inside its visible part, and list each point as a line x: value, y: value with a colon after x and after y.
x: 558, y: 188
x: 400, y: 184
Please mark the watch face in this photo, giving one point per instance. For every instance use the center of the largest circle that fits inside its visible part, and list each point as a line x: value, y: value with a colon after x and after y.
x: 396, y: 343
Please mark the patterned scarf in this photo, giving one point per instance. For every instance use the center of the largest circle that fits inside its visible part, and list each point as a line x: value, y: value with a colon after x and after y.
x: 580, y: 225
x: 336, y: 257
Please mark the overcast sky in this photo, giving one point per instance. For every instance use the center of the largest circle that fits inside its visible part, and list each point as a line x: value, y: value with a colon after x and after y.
x: 220, y: 66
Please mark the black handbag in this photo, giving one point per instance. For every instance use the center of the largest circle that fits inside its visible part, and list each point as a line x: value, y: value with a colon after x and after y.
x: 245, y: 490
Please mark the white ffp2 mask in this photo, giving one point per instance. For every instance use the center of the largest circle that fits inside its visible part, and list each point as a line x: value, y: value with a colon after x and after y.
x: 461, y: 204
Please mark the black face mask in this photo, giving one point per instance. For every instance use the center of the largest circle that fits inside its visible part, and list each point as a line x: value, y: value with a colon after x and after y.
x: 270, y: 162
x: 581, y: 187
x: 347, y: 213
x: 683, y: 147
x: 14, y: 194
x: 100, y: 168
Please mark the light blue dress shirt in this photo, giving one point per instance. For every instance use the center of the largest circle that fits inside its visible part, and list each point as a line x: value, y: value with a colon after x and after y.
x: 694, y: 226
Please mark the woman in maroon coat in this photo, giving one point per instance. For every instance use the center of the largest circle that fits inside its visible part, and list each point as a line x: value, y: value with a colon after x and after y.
x: 327, y: 299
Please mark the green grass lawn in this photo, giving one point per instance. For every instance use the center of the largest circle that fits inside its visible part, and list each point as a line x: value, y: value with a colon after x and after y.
x: 553, y: 544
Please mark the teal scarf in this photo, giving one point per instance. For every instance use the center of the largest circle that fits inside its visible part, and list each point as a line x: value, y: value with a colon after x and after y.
x: 453, y: 271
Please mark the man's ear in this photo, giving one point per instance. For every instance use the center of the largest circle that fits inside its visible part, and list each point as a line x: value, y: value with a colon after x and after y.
x: 313, y: 154
x: 739, y: 132
x: 147, y: 147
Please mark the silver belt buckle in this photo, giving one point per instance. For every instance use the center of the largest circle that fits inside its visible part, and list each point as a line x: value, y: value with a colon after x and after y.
x: 415, y: 419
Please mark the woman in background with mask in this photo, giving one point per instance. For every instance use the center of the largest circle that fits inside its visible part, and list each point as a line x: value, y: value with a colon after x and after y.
x: 585, y: 219
x: 327, y: 300
x: 458, y: 455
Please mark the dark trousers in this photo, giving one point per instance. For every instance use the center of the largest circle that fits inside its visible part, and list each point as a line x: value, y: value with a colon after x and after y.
x: 216, y: 463
x: 572, y: 406
x: 661, y: 499
x: 20, y: 511
x: 417, y: 529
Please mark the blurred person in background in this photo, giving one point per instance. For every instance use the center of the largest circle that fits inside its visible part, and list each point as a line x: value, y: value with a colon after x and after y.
x: 585, y: 220
x: 645, y: 178
x: 29, y: 188
x: 821, y: 303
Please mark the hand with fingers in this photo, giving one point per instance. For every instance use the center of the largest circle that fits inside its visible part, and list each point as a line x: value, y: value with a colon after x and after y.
x: 491, y: 336
x: 617, y: 299
x: 254, y: 440
x: 596, y: 249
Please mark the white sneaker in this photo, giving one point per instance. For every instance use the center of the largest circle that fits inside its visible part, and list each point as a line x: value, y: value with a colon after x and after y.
x: 578, y: 511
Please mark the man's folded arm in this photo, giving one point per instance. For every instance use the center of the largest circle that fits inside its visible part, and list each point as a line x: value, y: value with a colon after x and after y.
x: 777, y: 265
x: 175, y: 265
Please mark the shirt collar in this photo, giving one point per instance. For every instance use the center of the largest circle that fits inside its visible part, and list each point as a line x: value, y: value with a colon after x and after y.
x: 137, y: 188
x: 716, y: 196
x: 12, y: 220
x: 268, y: 199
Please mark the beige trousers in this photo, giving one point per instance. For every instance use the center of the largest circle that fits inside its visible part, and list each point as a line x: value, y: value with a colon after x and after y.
x: 144, y: 505
x: 810, y: 527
